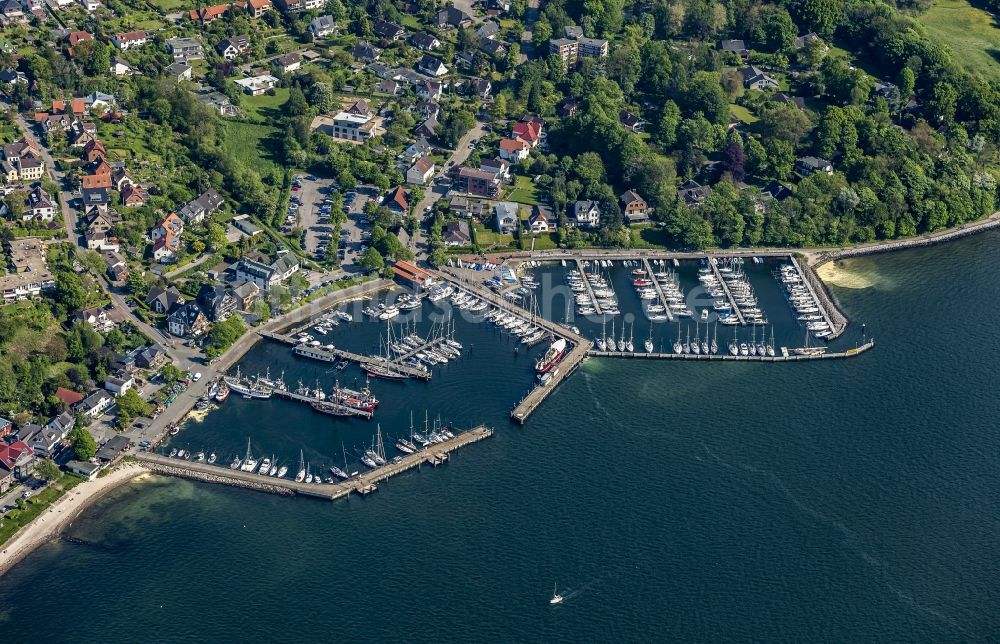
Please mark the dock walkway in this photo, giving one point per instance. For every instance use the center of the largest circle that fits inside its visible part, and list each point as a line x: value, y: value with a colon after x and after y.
x: 364, y: 483
x: 566, y: 367
x: 725, y: 289
x: 590, y: 287
x: 335, y: 355
x: 822, y: 302
x: 659, y: 289
x: 785, y: 355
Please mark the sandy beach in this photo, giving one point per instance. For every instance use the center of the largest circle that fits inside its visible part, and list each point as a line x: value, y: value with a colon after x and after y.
x: 841, y: 274
x: 50, y: 523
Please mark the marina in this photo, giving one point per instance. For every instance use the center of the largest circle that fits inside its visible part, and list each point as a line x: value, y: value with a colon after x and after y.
x: 734, y: 305
x: 335, y: 355
x: 655, y: 280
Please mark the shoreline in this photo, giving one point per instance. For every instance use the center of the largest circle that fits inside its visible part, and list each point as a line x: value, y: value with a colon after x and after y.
x: 50, y: 523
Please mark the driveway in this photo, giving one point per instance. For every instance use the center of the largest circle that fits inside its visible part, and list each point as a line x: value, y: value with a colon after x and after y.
x: 418, y: 243
x: 68, y: 214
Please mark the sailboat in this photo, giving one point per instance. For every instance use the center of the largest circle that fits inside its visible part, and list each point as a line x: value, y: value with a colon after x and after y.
x: 753, y: 341
x: 301, y: 476
x: 770, y: 345
x: 649, y: 340
x: 678, y: 347
x: 407, y: 446
x: 249, y: 463
x: 734, y: 348
x: 687, y: 341
x: 602, y: 342
x: 695, y: 347
x: 556, y: 597
x: 704, y: 342
x: 612, y: 345
x: 629, y: 345
x: 715, y: 339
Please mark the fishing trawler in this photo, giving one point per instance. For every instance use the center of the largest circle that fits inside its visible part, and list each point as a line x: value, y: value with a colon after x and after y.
x: 552, y: 356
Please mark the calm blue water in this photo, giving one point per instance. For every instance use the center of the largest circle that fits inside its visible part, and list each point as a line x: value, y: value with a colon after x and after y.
x: 836, y: 501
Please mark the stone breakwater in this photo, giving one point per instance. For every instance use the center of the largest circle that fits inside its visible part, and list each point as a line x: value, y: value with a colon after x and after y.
x: 220, y: 479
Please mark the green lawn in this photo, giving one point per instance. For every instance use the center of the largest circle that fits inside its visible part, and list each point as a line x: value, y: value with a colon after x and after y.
x: 488, y: 239
x: 742, y: 113
x: 168, y: 6
x: 524, y: 191
x: 251, y: 143
x: 37, y: 504
x: 264, y: 108
x: 970, y: 33
x: 543, y: 241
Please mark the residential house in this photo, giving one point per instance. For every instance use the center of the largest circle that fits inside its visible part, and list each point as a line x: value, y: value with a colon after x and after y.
x: 797, y: 101
x: 119, y: 383
x: 456, y: 233
x: 432, y: 66
x: 430, y: 89
x: 178, y: 71
x: 97, y: 233
x: 529, y: 130
x: 388, y: 30
x: 777, y: 191
x: 166, y: 249
x: 206, y: 204
x: 185, y: 49
x: 482, y: 87
x: 322, y: 26
x: 737, y: 47
x: 478, y: 182
x: 208, y: 15
x: 12, y: 77
x: 267, y: 275
x: 46, y: 443
x: 97, y: 318
x: 353, y: 127
x: 95, y: 198
x: 808, y: 165
x: 17, y: 462
x: 94, y: 151
x: 257, y: 8
x: 633, y: 207
x: 452, y: 16
x: 360, y: 108
x: 428, y: 108
x: 492, y: 48
x: 288, y: 63
x: 421, y: 171
x: 63, y: 423
x: 68, y: 397
x: 187, y: 320
x: 74, y: 38
x: 150, y: 357
x: 219, y: 102
x: 754, y: 78
x: 233, y: 48
x: 40, y: 206
x: 12, y: 10
x: 6, y: 428
x: 164, y: 300
x: 95, y: 404
x: 415, y: 150
x: 366, y: 52
x: 216, y: 302
x: 496, y: 165
x: 572, y: 50
x: 631, y: 122
x: 171, y: 224
x: 116, y: 265
x: 538, y: 222
x: 693, y: 193
x: 514, y: 150
x: 133, y: 196
x: 427, y: 129
x: 802, y: 41
x: 397, y: 202
x: 94, y: 181
x: 245, y: 294
x: 300, y: 6
x: 425, y: 41
x: 257, y: 85
x: 586, y: 214
x: 28, y: 272
x: 488, y: 30
x: 130, y: 39
x: 119, y: 68
x: 506, y: 217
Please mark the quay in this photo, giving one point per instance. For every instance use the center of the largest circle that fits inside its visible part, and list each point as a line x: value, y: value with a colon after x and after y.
x: 725, y: 288
x: 822, y: 302
x: 309, y: 400
x: 336, y: 355
x: 364, y: 483
x: 659, y: 289
x: 565, y: 368
x: 590, y: 287
x: 785, y: 356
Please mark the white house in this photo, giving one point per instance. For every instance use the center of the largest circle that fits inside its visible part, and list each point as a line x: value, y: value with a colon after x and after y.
x: 432, y: 66
x: 130, y: 39
x: 119, y: 384
x: 257, y: 85
x: 322, y: 26
x: 505, y: 216
x: 421, y: 171
x: 90, y: 5
x: 514, y: 150
x: 586, y: 214
x: 539, y: 222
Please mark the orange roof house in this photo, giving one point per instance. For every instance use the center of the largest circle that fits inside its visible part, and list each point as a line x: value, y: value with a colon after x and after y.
x: 94, y: 150
x: 103, y: 168
x: 206, y: 15
x: 76, y: 37
x: 68, y: 396
x: 91, y: 181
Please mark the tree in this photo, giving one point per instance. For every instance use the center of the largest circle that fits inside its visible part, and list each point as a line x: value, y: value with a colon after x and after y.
x: 170, y: 373
x: 130, y: 406
x: 734, y: 160
x: 70, y: 291
x: 47, y: 470
x: 372, y: 260
x: 216, y: 236
x: 223, y: 335
x: 779, y: 30
x: 84, y: 445
x: 821, y: 16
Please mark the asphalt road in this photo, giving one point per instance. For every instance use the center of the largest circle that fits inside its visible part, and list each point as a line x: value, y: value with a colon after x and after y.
x: 68, y: 214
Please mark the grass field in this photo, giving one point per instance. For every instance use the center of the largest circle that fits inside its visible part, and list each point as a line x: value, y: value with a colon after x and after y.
x: 543, y: 241
x: 742, y: 113
x: 251, y: 143
x: 488, y: 239
x: 524, y: 191
x: 972, y: 35
x: 264, y: 108
x: 168, y: 6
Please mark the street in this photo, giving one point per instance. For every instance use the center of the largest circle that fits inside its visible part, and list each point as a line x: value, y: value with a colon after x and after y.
x: 68, y: 214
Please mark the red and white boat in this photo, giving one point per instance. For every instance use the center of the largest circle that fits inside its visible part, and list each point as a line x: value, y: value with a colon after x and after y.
x: 552, y: 356
x: 362, y: 400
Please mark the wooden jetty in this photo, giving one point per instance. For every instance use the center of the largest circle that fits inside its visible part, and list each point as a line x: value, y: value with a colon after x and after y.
x: 309, y: 400
x: 659, y: 289
x: 725, y: 289
x: 364, y: 483
x: 785, y: 355
x: 336, y: 355
x: 590, y: 287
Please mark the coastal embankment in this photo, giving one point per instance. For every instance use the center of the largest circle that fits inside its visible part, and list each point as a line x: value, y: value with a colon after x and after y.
x: 63, y: 512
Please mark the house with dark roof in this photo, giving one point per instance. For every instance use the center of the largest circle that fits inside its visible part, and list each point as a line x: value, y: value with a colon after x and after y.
x: 187, y: 320
x: 425, y: 41
x: 95, y: 404
x: 322, y: 26
x: 488, y: 30
x: 451, y: 16
x: 630, y: 121
x: 456, y: 233
x: 693, y: 193
x: 506, y: 217
x: 755, y: 78
x: 737, y: 47
x: 204, y: 205
x: 216, y: 302
x: 797, y: 101
x: 267, y: 275
x: 233, y: 48
x: 388, y: 30
x: 586, y: 214
x: 164, y: 300
x: 365, y: 51
x: 808, y: 165
x: 633, y: 207
x: 432, y: 66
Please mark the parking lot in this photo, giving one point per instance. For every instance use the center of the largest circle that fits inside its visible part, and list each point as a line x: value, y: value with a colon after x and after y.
x: 307, y: 210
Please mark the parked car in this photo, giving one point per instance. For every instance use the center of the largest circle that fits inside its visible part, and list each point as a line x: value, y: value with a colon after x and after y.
x: 196, y: 377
